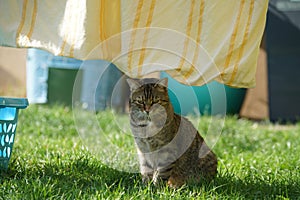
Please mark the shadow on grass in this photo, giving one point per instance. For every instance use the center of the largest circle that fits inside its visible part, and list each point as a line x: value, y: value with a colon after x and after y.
x: 81, y: 176
x: 254, y: 188
x: 74, y: 177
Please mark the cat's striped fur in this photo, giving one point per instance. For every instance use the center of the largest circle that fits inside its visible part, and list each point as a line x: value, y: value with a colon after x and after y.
x: 168, y: 145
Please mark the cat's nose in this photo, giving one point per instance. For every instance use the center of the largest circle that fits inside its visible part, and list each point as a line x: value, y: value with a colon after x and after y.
x: 147, y: 109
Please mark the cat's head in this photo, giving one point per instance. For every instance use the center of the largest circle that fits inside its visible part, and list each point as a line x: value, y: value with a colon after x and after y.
x: 149, y: 100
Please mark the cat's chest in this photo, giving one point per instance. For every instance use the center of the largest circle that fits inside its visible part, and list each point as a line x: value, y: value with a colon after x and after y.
x: 156, y: 153
x: 147, y: 145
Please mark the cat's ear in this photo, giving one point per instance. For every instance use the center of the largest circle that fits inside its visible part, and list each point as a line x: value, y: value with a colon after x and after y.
x: 133, y: 84
x: 163, y: 82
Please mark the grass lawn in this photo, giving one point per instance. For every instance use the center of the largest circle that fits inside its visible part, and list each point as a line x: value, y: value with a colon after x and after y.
x: 50, y: 160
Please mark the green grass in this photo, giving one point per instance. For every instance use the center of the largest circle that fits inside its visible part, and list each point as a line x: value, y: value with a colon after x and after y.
x: 50, y: 160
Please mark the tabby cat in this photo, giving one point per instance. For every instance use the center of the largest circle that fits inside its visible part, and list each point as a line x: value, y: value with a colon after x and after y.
x: 169, y: 147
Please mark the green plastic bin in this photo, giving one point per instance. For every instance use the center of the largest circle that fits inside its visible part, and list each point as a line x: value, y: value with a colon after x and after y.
x: 60, y: 85
x: 9, y: 109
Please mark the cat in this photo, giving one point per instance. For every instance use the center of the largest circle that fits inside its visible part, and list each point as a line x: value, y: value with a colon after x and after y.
x: 169, y: 147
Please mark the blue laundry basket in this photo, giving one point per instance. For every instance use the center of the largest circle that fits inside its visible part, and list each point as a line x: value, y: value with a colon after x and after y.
x: 9, y: 109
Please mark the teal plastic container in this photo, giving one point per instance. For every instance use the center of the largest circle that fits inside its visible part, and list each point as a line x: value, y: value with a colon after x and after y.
x: 9, y: 109
x: 211, y: 99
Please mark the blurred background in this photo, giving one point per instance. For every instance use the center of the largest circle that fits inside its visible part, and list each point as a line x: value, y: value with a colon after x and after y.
x: 44, y: 78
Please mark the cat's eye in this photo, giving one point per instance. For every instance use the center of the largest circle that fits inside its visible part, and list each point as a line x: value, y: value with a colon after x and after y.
x: 139, y: 100
x: 156, y: 99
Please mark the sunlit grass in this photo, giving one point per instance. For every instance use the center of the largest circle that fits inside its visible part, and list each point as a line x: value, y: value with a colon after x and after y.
x: 50, y: 160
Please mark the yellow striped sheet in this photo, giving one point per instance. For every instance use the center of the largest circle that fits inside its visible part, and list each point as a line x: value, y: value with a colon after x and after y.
x: 187, y: 38
x: 33, y: 18
x: 138, y: 14
x: 207, y: 39
x: 102, y: 20
x: 233, y: 37
x: 107, y: 24
x: 73, y: 36
x: 242, y: 48
x: 148, y: 23
x: 21, y: 25
x: 67, y: 35
x: 199, y: 30
x: 27, y: 23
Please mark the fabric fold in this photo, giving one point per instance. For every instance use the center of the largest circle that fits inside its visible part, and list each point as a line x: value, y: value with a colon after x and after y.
x: 195, y: 41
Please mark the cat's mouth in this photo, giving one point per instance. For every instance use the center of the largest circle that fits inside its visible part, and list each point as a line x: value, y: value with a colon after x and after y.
x: 144, y: 119
x: 155, y: 117
x: 143, y: 125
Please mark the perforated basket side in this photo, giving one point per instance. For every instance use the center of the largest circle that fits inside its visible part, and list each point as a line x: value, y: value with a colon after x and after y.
x: 7, y: 138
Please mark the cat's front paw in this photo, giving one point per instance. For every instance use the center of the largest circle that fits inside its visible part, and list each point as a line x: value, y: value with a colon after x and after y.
x: 157, y: 180
x: 146, y: 179
x: 175, y: 182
